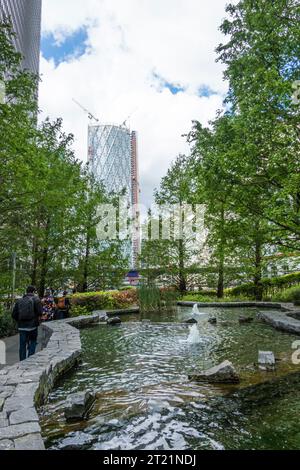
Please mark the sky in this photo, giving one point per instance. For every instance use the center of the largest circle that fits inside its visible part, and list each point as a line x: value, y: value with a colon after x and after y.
x: 152, y: 61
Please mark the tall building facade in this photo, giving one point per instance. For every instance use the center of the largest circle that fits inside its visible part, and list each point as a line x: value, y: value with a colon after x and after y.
x: 26, y: 18
x: 113, y: 159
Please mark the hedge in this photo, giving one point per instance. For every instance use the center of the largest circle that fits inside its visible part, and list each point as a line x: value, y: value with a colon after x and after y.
x: 104, y: 300
x: 271, y: 286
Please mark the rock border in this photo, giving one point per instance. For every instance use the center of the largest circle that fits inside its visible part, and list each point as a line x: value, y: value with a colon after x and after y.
x: 233, y: 304
x: 280, y: 317
x: 25, y: 385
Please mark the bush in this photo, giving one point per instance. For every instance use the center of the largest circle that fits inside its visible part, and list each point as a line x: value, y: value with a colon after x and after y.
x: 270, y: 286
x: 291, y: 294
x: 8, y: 326
x: 104, y: 300
x: 79, y: 311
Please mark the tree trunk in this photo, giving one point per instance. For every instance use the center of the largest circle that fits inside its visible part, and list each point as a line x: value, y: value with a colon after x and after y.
x: 34, y: 262
x: 44, y: 263
x: 258, y: 289
x: 182, y: 279
x: 220, y: 288
x: 86, y: 264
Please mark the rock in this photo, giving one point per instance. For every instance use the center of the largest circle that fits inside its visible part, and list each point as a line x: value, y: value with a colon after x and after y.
x: 212, y: 320
x: 243, y: 319
x: 224, y: 373
x: 191, y: 321
x: 280, y: 321
x: 114, y: 321
x: 78, y: 406
x: 101, y: 314
x: 266, y: 360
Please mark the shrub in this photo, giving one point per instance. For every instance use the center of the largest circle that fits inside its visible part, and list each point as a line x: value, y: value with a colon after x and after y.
x: 104, y: 300
x: 270, y: 286
x: 291, y: 294
x: 79, y: 311
x: 8, y: 326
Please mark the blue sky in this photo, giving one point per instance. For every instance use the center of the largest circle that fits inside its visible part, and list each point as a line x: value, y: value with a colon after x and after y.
x: 71, y: 47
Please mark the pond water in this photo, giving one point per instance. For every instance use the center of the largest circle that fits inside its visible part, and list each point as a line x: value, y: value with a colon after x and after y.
x: 145, y: 400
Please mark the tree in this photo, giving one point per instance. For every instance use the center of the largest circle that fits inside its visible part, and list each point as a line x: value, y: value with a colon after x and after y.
x: 262, y: 63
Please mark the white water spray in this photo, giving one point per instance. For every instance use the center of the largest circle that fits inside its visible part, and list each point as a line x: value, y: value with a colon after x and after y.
x: 195, y: 310
x: 194, y: 336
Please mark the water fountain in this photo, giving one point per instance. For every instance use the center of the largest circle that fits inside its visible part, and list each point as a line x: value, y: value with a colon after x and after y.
x: 195, y: 310
x: 194, y: 336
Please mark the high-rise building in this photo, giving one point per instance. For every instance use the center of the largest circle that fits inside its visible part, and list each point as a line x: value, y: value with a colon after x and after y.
x: 113, y: 158
x: 26, y: 20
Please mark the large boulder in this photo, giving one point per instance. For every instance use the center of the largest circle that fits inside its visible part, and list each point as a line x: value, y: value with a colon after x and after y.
x: 78, y: 405
x: 114, y: 321
x: 224, y: 373
x: 191, y: 321
x: 266, y: 360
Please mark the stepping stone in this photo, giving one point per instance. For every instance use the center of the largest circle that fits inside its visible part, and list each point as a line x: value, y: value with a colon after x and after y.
x: 266, y: 360
x: 224, y: 373
x: 78, y: 406
x: 114, y: 321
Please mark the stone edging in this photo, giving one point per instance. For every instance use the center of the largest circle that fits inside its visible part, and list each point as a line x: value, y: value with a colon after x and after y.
x: 234, y: 304
x: 278, y: 318
x: 26, y: 385
x: 281, y: 321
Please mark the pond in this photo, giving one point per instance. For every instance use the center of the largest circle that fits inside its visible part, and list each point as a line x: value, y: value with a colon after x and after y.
x: 146, y: 401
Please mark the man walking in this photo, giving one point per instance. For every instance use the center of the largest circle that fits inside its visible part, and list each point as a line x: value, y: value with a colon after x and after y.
x: 27, y: 313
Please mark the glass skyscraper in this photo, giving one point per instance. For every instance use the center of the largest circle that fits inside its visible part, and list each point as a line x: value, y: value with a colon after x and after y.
x: 113, y: 160
x: 26, y: 20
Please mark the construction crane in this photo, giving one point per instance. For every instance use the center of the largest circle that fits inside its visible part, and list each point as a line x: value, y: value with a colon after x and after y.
x: 124, y: 124
x: 90, y: 115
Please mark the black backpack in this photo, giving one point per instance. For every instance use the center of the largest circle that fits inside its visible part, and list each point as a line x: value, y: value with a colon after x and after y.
x: 26, y: 309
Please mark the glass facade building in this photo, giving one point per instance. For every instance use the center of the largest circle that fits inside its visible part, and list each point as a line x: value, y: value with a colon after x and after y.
x: 113, y: 160
x: 26, y: 19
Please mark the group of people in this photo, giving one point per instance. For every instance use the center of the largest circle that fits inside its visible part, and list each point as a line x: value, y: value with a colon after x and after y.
x: 55, y: 308
x: 29, y: 311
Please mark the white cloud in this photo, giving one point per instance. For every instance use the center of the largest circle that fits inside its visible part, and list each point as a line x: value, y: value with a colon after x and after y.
x: 129, y: 40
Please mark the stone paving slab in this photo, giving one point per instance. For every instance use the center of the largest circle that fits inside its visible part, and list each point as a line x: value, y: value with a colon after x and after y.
x: 25, y: 385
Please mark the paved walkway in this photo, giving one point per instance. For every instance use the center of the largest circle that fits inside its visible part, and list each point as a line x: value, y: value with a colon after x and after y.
x: 12, y: 349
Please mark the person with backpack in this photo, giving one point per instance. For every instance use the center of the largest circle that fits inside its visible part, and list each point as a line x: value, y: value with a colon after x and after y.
x: 62, y: 307
x: 27, y: 312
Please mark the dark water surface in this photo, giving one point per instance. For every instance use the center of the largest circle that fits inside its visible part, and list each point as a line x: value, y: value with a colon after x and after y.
x: 145, y: 400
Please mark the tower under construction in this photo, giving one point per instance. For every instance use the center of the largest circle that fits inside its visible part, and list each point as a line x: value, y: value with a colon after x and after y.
x: 113, y: 159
